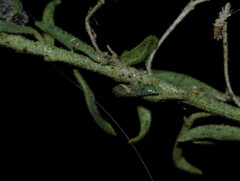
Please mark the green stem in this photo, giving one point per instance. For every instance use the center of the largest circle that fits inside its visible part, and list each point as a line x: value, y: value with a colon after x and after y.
x: 213, y: 106
x: 121, y: 73
x: 115, y: 70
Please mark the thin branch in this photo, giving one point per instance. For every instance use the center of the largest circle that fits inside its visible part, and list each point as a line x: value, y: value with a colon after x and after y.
x: 188, y: 8
x: 225, y: 63
x: 88, y: 27
x: 113, y: 53
x: 220, y: 32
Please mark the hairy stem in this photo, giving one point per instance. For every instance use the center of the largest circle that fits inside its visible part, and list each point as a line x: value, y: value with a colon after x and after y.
x: 121, y: 73
x: 225, y: 57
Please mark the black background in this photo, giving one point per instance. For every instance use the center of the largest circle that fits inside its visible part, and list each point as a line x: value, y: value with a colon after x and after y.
x: 47, y: 131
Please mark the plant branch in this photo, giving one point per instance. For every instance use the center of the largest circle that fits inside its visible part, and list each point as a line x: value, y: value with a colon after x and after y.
x: 220, y: 32
x: 88, y: 27
x: 121, y: 73
x: 188, y: 8
x: 225, y: 60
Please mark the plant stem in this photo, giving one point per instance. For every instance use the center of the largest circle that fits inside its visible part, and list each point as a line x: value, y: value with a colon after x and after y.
x: 121, y: 73
x: 213, y: 106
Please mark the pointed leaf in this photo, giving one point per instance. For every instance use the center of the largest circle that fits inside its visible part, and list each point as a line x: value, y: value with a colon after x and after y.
x: 215, y: 132
x: 141, y: 52
x: 145, y: 118
x: 48, y: 16
x: 191, y: 84
x: 181, y: 163
x: 91, y: 104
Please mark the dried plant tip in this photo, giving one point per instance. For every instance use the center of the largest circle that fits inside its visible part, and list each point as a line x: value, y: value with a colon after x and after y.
x: 222, y: 20
x: 220, y: 32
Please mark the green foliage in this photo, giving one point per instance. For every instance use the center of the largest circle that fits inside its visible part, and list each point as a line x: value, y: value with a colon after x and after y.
x: 191, y: 84
x: 145, y: 117
x: 211, y: 132
x: 91, y: 104
x: 19, y: 29
x: 141, y: 52
x: 68, y: 40
x: 156, y: 87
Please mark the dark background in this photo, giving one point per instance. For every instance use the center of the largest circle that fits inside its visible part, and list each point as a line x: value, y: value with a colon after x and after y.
x: 47, y: 131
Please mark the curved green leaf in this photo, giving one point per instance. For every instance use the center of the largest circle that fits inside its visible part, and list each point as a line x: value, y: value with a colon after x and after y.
x: 145, y: 118
x: 141, y: 52
x: 214, y: 132
x: 48, y: 16
x: 181, y: 163
x: 19, y: 29
x: 69, y: 41
x: 91, y: 104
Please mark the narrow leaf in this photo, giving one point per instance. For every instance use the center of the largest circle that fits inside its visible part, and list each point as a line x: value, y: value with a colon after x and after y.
x: 141, y: 52
x: 69, y: 40
x: 191, y: 84
x: 181, y: 163
x: 215, y: 132
x: 91, y: 104
x: 19, y: 29
x: 134, y: 90
x: 48, y: 16
x: 145, y: 118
